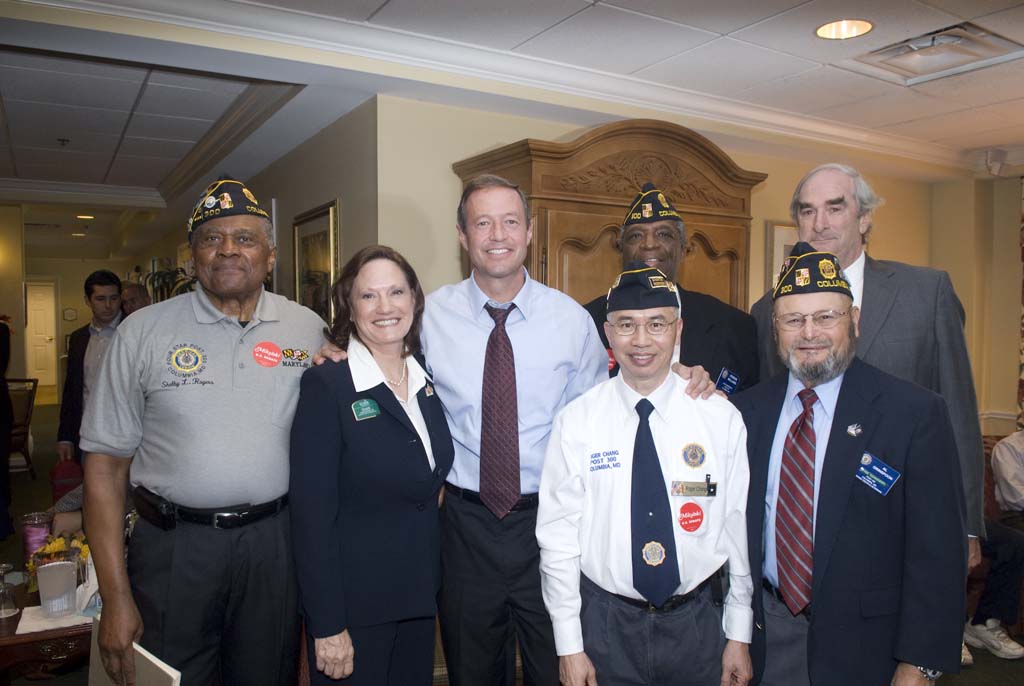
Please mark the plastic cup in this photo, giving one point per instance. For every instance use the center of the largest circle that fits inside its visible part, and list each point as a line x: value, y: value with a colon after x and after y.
x: 57, y: 582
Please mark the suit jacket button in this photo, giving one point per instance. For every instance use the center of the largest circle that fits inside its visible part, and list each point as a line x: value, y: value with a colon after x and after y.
x: 421, y: 507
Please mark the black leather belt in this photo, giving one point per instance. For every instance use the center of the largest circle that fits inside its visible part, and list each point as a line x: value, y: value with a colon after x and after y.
x: 777, y: 594
x: 669, y: 605
x: 164, y: 514
x: 525, y: 502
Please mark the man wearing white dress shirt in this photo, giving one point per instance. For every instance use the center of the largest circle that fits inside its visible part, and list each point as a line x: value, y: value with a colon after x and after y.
x: 642, y: 499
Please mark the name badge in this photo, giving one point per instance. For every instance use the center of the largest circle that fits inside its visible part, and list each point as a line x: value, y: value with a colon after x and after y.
x: 727, y: 381
x: 699, y: 489
x: 878, y: 476
x: 365, y: 409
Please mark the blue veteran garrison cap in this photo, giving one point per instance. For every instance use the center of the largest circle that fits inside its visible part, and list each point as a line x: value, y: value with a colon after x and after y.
x: 650, y: 205
x: 807, y: 270
x: 225, y: 197
x: 640, y: 287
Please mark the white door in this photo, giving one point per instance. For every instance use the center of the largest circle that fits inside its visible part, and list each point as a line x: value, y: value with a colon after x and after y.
x: 41, y: 343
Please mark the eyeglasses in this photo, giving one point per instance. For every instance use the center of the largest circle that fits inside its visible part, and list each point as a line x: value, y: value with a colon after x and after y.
x: 655, y: 327
x: 823, y: 319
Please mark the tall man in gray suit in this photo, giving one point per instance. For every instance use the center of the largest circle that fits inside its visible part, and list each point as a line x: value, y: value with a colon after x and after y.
x: 911, y: 323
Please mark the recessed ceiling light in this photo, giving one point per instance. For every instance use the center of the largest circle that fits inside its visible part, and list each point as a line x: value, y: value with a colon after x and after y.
x: 84, y: 216
x: 844, y: 28
x: 78, y: 235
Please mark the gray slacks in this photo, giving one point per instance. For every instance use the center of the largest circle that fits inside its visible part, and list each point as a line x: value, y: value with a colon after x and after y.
x: 785, y: 645
x: 631, y: 646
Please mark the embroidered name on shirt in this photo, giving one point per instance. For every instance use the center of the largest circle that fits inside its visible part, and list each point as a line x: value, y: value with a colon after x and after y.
x: 608, y: 459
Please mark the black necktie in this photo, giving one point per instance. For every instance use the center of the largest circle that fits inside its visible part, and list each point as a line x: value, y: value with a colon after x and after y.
x: 655, y: 565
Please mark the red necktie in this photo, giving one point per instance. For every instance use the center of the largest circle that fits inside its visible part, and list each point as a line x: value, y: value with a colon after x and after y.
x: 794, y: 512
x: 499, y: 426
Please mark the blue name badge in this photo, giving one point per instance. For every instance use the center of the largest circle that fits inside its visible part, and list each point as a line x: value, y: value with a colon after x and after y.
x: 727, y: 381
x: 878, y: 476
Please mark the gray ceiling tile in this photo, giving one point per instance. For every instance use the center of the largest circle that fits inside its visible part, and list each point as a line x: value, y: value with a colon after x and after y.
x: 59, y: 156
x: 78, y: 141
x: 61, y: 172
x: 356, y: 10
x: 183, y: 102
x: 155, y: 147
x: 139, y: 171
x: 1008, y: 23
x: 212, y: 84
x: 893, y: 108
x: 815, y: 90
x: 701, y: 70
x: 73, y: 64
x: 970, y: 9
x: 951, y: 124
x: 1000, y: 83
x: 721, y: 16
x: 492, y: 23
x: 67, y: 89
x: 172, y: 128
x: 62, y: 120
x: 607, y: 38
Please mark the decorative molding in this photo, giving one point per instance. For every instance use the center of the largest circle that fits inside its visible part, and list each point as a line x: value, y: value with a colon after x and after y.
x: 995, y: 414
x: 359, y: 39
x: 624, y: 172
x: 33, y: 191
x: 255, y: 105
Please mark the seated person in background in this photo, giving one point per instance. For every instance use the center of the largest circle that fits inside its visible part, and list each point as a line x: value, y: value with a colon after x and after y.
x: 1008, y: 474
x: 1003, y: 546
x: 134, y: 297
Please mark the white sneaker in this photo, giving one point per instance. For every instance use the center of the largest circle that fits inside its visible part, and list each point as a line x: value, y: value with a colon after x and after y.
x: 993, y: 637
x: 966, y: 659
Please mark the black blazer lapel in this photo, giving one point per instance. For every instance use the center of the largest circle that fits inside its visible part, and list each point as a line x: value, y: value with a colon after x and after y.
x: 437, y: 427
x: 387, y: 401
x: 842, y: 455
x: 880, y: 288
x: 761, y: 424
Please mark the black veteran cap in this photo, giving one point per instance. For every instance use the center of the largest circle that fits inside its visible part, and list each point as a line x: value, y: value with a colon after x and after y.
x: 640, y: 287
x: 225, y: 197
x: 650, y: 205
x: 807, y: 270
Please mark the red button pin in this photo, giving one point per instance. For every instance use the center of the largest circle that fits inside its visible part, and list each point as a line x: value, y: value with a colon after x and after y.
x: 691, y: 517
x: 266, y: 354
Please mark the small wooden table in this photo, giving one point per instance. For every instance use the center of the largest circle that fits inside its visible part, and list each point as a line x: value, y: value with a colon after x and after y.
x: 38, y: 654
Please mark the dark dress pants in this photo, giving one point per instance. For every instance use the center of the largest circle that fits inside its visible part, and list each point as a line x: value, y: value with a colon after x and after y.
x: 630, y: 646
x: 392, y: 654
x: 220, y: 605
x: 1003, y: 546
x: 490, y: 597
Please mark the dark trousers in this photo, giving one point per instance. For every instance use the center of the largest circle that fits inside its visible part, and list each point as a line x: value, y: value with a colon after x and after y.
x: 490, y: 596
x: 1004, y: 548
x: 630, y: 646
x: 6, y: 424
x: 218, y: 604
x: 392, y: 654
x: 785, y: 645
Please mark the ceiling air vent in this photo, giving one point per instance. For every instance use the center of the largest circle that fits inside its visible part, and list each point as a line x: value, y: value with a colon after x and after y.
x: 954, y: 50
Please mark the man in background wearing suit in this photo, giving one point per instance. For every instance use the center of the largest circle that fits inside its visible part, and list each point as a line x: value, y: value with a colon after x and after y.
x: 716, y: 336
x: 86, y: 349
x: 912, y: 323
x: 855, y: 509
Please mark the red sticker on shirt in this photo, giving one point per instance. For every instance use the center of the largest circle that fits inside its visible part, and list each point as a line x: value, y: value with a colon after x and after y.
x: 266, y: 354
x: 611, y: 359
x: 691, y: 517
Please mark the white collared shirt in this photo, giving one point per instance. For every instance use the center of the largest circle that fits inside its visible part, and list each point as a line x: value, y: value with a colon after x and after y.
x: 100, y: 338
x: 583, y: 521
x: 366, y: 374
x: 824, y: 410
x: 855, y: 277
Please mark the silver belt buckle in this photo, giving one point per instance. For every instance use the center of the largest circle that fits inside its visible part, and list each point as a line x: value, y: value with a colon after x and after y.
x: 227, y: 520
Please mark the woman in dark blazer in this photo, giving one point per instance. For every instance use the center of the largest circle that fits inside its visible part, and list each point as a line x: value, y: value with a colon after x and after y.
x: 370, y: 450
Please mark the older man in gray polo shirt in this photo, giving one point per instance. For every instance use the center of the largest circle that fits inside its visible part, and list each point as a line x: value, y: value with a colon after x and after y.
x: 197, y: 395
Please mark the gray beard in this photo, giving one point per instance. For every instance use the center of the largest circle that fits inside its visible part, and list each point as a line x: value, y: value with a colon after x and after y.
x: 816, y: 373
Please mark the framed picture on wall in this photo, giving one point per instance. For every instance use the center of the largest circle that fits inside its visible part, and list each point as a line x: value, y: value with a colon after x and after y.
x: 779, y: 239
x: 316, y: 246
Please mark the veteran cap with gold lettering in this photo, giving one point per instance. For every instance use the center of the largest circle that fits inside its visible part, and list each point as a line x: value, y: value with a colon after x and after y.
x: 640, y: 287
x: 807, y: 270
x: 650, y: 205
x: 225, y: 197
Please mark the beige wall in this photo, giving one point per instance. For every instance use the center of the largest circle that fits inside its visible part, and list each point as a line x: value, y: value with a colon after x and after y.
x: 70, y: 275
x: 338, y: 162
x: 12, y: 274
x: 417, y: 145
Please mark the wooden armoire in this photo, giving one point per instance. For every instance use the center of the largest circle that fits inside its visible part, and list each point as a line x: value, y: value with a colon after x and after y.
x: 579, y: 193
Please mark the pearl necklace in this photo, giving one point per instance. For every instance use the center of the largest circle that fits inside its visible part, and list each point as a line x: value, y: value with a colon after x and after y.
x: 396, y: 384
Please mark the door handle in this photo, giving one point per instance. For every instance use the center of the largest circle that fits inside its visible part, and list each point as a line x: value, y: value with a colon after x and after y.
x: 49, y: 339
